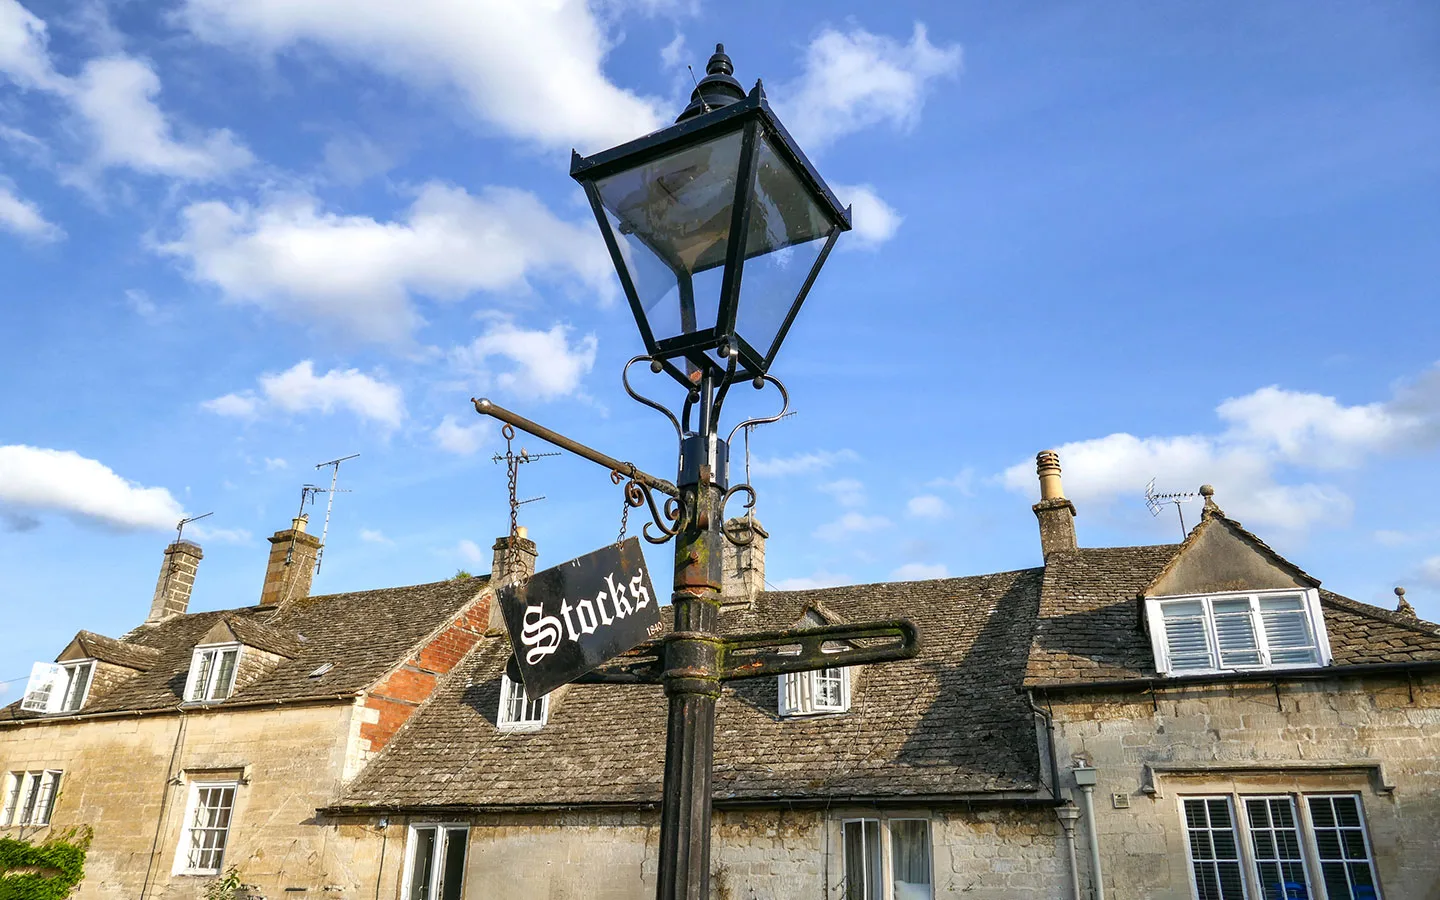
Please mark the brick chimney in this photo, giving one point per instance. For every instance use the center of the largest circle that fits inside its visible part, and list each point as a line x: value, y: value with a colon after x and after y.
x: 744, y: 565
x: 291, y: 566
x: 1056, y: 514
x: 177, y: 580
x: 514, y: 558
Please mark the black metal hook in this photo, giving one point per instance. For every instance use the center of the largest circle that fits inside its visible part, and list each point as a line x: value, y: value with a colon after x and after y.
x: 764, y: 420
x: 638, y: 495
x: 750, y: 504
x: 625, y: 380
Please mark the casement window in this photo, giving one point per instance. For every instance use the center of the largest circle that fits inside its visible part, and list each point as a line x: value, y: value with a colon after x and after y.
x: 819, y: 691
x: 886, y: 859
x: 1281, y: 847
x: 208, y: 817
x: 435, y: 862
x: 1227, y: 632
x: 58, y: 687
x: 30, y: 797
x: 212, y: 673
x: 518, y: 711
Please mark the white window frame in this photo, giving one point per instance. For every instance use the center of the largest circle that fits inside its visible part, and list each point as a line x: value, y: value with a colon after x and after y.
x: 29, y: 798
x: 503, y: 718
x: 208, y: 692
x: 887, y: 878
x: 1244, y: 838
x: 50, y: 687
x: 437, y: 860
x: 188, y: 826
x: 799, y: 692
x: 1310, y: 603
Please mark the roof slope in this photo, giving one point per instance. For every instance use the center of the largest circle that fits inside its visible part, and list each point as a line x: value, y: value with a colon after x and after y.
x: 948, y: 722
x: 1089, y: 626
x: 363, y: 633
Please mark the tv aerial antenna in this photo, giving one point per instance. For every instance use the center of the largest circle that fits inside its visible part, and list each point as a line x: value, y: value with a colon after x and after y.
x: 1156, y: 502
x: 334, y: 465
x: 750, y: 426
x: 513, y: 461
x: 180, y: 529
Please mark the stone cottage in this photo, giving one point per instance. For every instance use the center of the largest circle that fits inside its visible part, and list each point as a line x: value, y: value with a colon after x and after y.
x: 1198, y: 721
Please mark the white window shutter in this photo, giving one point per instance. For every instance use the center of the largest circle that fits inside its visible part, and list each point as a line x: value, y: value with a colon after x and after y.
x: 46, y: 688
x: 789, y: 694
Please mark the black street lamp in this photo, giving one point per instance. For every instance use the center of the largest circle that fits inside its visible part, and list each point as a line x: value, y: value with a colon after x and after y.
x: 670, y: 206
x: 724, y: 195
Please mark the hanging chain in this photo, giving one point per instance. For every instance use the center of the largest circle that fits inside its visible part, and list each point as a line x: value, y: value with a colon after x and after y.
x: 512, y: 469
x: 616, y: 477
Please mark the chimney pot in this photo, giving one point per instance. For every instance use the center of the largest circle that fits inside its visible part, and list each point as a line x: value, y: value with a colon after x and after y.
x: 1056, y: 514
x: 744, y: 564
x: 176, y: 582
x: 291, y: 564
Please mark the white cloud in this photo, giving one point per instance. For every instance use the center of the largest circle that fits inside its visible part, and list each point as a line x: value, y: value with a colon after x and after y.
x: 116, y: 97
x: 272, y: 464
x: 801, y: 463
x: 24, y: 55
x: 874, y: 221
x: 239, y: 406
x: 962, y: 482
x: 857, y: 79
x: 360, y: 274
x: 672, y: 55
x: 546, y: 363
x: 20, y: 216
x: 374, y: 536
x: 299, y: 390
x: 36, y: 480
x: 820, y: 579
x: 1268, y: 429
x: 220, y: 535
x: 532, y: 70
x: 927, y: 506
x: 1430, y: 571
x: 851, y: 523
x: 464, y: 440
x: 470, y: 551
x: 846, y: 491
x: 920, y: 572
x: 141, y: 303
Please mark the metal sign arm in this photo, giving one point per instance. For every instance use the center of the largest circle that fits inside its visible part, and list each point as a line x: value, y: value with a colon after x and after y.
x: 487, y: 408
x: 803, y: 650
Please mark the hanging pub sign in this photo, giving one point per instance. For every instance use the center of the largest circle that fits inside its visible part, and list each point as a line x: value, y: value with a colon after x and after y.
x: 568, y: 620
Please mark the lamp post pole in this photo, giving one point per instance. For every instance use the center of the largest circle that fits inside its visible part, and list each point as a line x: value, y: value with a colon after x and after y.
x: 723, y: 188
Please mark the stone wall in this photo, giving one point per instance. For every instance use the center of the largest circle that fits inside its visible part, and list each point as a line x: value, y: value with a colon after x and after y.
x: 120, y: 779
x: 1375, y: 737
x: 767, y: 854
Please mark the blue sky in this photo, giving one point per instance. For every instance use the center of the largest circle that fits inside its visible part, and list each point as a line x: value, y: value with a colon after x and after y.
x: 1172, y: 242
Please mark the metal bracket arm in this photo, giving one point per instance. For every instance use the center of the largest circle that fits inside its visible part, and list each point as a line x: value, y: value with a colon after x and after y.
x: 486, y: 408
x: 802, y: 650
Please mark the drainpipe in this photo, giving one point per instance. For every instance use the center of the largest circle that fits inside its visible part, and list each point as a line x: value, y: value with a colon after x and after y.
x: 1067, y: 815
x: 1085, y: 781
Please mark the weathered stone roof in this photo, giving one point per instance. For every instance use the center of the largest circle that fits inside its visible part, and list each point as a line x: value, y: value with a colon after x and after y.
x: 364, y: 634
x: 121, y: 653
x: 1089, y: 627
x: 950, y: 722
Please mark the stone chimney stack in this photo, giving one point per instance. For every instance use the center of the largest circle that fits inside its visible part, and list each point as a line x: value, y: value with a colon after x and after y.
x: 1056, y: 514
x: 291, y: 566
x: 744, y: 564
x: 514, y: 558
x: 177, y: 580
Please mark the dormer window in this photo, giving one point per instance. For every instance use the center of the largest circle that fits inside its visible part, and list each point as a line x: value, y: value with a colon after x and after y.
x: 818, y: 691
x: 212, y: 673
x: 518, y: 710
x: 1237, y: 631
x: 58, y: 687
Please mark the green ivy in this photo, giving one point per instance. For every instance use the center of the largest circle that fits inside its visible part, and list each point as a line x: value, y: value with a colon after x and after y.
x: 61, y: 856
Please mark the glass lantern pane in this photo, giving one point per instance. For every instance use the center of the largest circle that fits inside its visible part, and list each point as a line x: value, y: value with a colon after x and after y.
x: 786, y: 234
x: 671, y: 218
